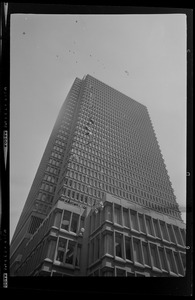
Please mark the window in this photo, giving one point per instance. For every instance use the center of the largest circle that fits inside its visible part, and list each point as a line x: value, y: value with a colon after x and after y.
x: 154, y: 256
x: 164, y: 231
x: 183, y: 257
x: 74, y: 222
x: 128, y: 248
x: 156, y: 228
x: 178, y: 235
x: 70, y: 252
x: 57, y: 219
x: 125, y: 217
x: 162, y: 258
x: 108, y: 244
x: 183, y: 233
x: 120, y: 272
x: 170, y: 260
x: 97, y: 248
x: 93, y: 222
x: 108, y: 273
x: 137, y: 251
x: 146, y: 254
x: 134, y: 221
x: 149, y: 225
x: 178, y: 263
x: 171, y: 234
x: 119, y: 244
x: 129, y: 274
x: 61, y: 250
x: 108, y: 213
x: 141, y: 223
x: 66, y: 220
x: 117, y: 215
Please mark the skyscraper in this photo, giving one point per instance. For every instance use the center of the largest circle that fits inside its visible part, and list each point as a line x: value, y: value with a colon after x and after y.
x: 101, y: 203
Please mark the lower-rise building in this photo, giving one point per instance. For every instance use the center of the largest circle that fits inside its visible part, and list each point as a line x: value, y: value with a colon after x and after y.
x: 115, y: 238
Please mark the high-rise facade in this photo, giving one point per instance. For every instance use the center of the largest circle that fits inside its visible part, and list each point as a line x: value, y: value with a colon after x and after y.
x: 101, y: 203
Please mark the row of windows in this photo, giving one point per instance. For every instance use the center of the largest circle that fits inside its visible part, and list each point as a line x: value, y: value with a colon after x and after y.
x: 50, y: 178
x: 56, y: 155
x: 57, y: 148
x: 89, y: 182
x: 100, y: 122
x: 80, y: 197
x: 70, y: 221
x: 41, y: 207
x: 116, y: 159
x: 116, y: 272
x: 127, y: 154
x: 139, y: 222
x: 97, y: 163
x: 137, y: 251
x: 115, y: 125
x: 59, y: 142
x: 125, y: 137
x: 119, y: 154
x: 45, y: 197
x: 68, y: 252
x: 115, y: 189
x: 54, y: 162
x: 77, y: 186
x: 112, y: 99
x: 47, y: 187
x: 62, y: 137
x: 121, y: 147
x: 52, y: 170
x: 77, y: 196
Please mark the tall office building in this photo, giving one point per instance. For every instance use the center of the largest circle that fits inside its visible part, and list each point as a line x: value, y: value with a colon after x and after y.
x: 101, y: 203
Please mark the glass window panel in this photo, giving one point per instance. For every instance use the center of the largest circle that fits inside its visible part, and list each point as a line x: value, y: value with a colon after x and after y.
x: 162, y: 258
x: 97, y: 248
x: 183, y: 257
x: 97, y: 221
x: 178, y: 235
x: 57, y: 219
x: 146, y: 254
x: 120, y: 272
x: 108, y: 274
x: 70, y: 252
x: 137, y: 251
x: 92, y: 251
x: 154, y: 256
x: 178, y: 263
x: 74, y: 222
x: 61, y: 249
x: 108, y: 214
x: 149, y: 226
x: 128, y: 248
x: 141, y: 223
x: 93, y: 222
x: 119, y: 245
x: 156, y: 228
x: 171, y: 234
x: 170, y: 260
x: 164, y: 230
x: 108, y: 244
x: 66, y: 220
x: 183, y: 235
x: 134, y: 221
x: 117, y: 215
x: 126, y: 217
x: 78, y: 256
x: 130, y: 274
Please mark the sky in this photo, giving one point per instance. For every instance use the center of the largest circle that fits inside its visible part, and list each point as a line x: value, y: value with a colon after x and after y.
x: 142, y: 56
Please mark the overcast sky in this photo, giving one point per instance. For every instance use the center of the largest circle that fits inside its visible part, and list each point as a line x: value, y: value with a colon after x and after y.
x: 142, y: 56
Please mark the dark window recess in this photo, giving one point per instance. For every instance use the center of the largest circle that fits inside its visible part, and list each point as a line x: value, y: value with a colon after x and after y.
x: 34, y: 224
